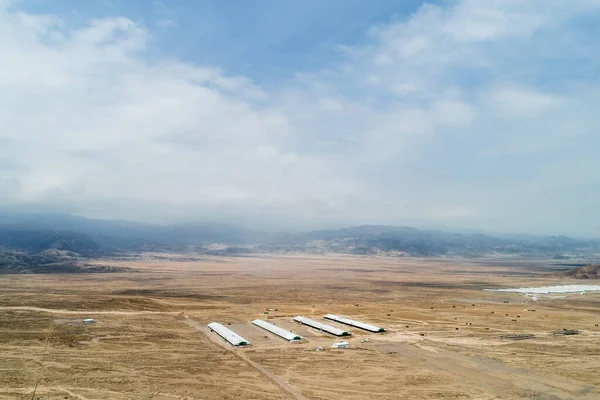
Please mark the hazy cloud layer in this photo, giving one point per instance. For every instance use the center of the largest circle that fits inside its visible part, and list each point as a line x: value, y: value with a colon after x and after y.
x: 471, y: 114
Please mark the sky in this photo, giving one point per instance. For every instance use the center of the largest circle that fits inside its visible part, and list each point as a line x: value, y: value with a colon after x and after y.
x: 305, y: 114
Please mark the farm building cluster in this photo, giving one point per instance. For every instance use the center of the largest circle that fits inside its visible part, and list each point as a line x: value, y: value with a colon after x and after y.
x: 237, y: 340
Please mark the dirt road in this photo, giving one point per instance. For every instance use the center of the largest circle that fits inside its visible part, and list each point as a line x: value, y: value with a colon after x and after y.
x: 275, y: 379
x: 80, y: 312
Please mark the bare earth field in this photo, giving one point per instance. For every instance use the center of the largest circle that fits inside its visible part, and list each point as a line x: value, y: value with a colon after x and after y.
x: 151, y: 341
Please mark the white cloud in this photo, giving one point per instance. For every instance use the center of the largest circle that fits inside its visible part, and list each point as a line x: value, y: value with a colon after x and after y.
x: 427, y: 114
x: 522, y: 102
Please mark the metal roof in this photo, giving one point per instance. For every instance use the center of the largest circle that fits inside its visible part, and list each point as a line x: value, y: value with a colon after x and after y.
x: 288, y: 335
x: 326, y: 328
x: 228, y: 334
x: 351, y: 322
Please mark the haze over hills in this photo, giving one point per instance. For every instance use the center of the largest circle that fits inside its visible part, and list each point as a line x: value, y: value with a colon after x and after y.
x: 35, y: 233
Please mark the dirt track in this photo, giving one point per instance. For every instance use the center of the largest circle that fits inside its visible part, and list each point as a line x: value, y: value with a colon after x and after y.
x: 76, y: 312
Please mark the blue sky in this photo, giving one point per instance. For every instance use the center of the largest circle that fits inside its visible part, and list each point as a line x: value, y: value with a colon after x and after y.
x: 305, y: 114
x: 270, y: 40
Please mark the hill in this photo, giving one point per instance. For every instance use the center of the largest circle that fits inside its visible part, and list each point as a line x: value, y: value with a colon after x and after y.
x: 585, y: 272
x: 18, y: 237
x: 48, y: 262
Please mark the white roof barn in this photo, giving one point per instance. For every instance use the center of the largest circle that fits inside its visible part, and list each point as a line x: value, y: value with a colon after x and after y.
x: 358, y: 324
x: 288, y: 335
x: 318, y: 325
x: 228, y: 334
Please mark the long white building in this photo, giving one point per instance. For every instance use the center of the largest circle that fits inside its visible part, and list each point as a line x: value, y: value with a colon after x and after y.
x: 325, y: 328
x: 551, y: 289
x: 228, y: 334
x: 357, y: 324
x: 287, y: 335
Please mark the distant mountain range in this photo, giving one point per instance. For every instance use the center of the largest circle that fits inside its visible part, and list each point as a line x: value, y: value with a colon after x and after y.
x: 34, y: 233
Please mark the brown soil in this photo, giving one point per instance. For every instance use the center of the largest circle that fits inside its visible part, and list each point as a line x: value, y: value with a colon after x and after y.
x: 151, y: 341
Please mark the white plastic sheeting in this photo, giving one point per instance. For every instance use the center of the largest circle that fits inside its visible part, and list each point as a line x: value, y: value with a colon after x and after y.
x: 351, y: 322
x: 326, y: 328
x: 228, y: 334
x: 551, y: 289
x: 288, y: 335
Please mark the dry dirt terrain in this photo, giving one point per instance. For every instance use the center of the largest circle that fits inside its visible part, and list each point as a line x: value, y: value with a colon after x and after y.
x: 150, y: 340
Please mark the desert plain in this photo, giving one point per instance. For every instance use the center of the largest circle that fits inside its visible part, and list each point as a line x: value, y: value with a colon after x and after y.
x: 446, y: 338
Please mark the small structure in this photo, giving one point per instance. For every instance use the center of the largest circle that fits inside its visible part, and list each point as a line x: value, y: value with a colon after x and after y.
x: 287, y: 335
x: 357, y: 324
x: 89, y: 321
x: 340, y: 345
x: 228, y: 334
x: 325, y: 328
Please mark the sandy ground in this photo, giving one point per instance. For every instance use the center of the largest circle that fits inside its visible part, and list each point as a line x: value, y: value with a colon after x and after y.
x: 151, y: 341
